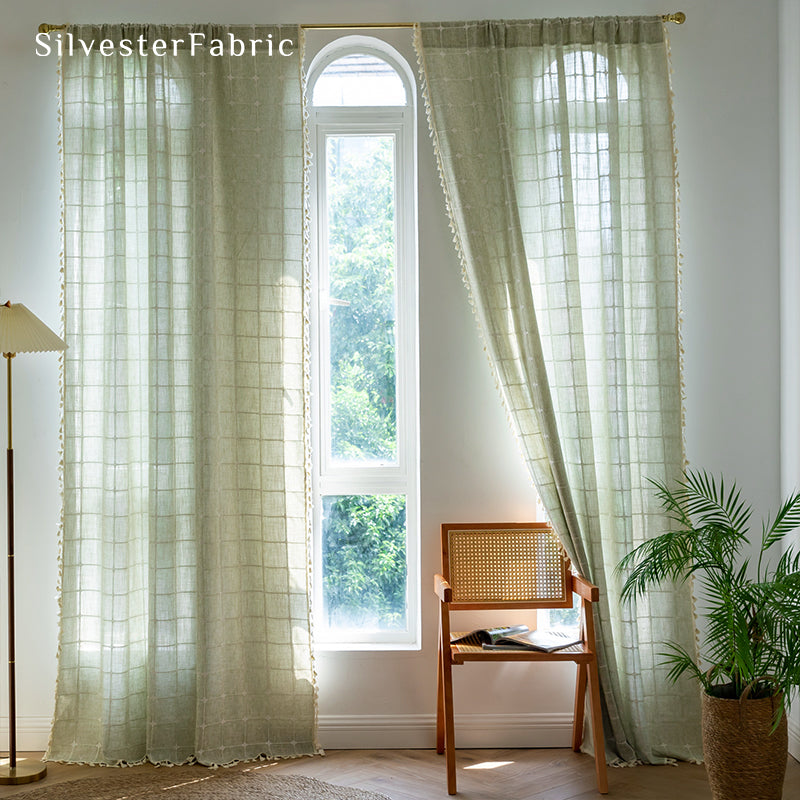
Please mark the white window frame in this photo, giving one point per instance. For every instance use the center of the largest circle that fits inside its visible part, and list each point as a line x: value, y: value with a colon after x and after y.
x: 401, y: 476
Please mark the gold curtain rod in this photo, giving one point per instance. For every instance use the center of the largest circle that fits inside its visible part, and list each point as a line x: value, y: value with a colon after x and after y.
x: 327, y: 26
x: 678, y: 18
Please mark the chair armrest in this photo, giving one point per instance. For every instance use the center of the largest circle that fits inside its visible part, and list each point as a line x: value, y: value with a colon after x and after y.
x: 443, y: 589
x: 588, y: 591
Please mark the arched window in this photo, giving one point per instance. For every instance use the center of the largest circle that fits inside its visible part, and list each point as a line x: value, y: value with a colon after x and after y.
x: 589, y: 90
x: 585, y: 77
x: 364, y: 349
x: 359, y: 79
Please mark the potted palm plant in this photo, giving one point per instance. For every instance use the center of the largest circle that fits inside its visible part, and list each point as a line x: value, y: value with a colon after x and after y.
x: 750, y: 590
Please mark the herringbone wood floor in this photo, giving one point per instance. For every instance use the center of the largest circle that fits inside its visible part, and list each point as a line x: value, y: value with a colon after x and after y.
x: 482, y: 775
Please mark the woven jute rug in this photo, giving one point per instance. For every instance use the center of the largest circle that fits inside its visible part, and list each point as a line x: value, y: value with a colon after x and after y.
x: 218, y: 784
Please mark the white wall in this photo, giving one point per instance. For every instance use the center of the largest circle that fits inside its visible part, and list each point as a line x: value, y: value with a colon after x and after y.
x: 790, y: 271
x: 727, y: 115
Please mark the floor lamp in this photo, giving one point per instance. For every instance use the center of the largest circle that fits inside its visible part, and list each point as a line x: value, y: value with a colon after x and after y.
x: 20, y: 332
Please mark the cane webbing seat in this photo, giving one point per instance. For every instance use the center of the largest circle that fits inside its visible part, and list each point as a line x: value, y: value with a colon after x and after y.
x: 506, y: 566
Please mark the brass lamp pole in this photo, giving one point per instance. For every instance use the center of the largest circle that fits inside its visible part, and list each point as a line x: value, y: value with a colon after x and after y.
x: 20, y: 332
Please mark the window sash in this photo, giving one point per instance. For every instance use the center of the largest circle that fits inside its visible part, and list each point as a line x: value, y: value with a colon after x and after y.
x: 401, y: 477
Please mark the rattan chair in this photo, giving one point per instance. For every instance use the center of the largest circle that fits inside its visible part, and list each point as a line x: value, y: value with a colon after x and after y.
x: 512, y: 566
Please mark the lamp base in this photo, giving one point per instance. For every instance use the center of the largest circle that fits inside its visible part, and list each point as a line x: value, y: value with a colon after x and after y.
x: 23, y: 772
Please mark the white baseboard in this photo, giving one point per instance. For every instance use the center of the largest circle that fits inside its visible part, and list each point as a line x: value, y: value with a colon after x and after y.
x: 794, y: 736
x: 415, y: 731
x: 401, y: 731
x: 33, y: 734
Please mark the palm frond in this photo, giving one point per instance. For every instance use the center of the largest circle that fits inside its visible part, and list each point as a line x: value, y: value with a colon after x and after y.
x: 712, y: 505
x: 788, y: 564
x: 786, y: 520
x: 654, y: 561
x: 681, y: 662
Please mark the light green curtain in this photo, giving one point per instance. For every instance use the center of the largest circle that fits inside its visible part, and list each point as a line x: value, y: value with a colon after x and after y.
x: 555, y: 147
x: 185, y: 629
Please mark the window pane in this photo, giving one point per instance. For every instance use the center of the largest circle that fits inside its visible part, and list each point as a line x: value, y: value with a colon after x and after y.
x: 364, y: 563
x: 566, y: 619
x: 361, y: 297
x: 359, y: 80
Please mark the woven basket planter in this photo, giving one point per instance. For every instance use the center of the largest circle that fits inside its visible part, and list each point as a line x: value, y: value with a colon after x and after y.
x: 743, y: 759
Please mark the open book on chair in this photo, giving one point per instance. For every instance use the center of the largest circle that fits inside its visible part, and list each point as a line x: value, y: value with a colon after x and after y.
x: 544, y: 641
x: 518, y: 637
x: 483, y: 636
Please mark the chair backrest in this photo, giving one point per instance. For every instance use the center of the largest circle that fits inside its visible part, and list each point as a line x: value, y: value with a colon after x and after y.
x: 505, y: 565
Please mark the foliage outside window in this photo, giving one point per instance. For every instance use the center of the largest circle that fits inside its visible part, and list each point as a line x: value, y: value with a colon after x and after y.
x: 361, y: 271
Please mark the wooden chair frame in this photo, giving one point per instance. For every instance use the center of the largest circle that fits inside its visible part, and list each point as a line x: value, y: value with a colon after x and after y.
x: 584, y: 655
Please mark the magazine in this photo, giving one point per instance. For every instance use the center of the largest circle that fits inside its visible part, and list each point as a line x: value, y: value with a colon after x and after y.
x: 485, y: 636
x: 544, y: 641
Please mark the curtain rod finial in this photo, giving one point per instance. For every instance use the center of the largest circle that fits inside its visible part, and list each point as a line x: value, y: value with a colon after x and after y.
x: 46, y: 27
x: 678, y: 17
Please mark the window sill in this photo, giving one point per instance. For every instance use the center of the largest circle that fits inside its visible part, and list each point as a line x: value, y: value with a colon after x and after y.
x: 351, y: 647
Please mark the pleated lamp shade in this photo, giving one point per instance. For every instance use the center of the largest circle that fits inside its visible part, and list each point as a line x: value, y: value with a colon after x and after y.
x: 21, y: 331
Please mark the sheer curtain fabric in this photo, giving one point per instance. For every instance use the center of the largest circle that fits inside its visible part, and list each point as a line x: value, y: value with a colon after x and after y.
x: 555, y: 148
x: 185, y: 629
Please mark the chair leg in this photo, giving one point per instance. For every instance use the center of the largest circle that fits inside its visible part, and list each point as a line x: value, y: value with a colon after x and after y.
x: 449, y: 725
x: 439, y: 702
x: 597, y: 729
x: 580, y: 705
